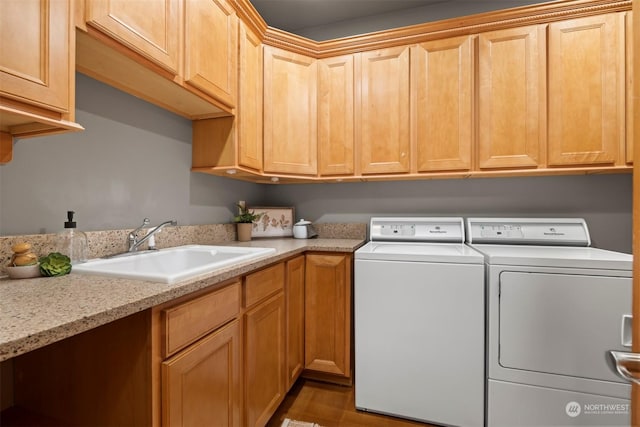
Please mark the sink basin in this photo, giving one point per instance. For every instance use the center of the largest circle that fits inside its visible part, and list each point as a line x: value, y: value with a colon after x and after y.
x: 172, y: 264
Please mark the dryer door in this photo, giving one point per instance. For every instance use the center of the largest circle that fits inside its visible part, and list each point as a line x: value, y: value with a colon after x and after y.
x: 560, y: 323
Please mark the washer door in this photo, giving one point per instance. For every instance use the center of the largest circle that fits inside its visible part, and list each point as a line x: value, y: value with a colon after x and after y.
x: 561, y: 324
x: 419, y: 340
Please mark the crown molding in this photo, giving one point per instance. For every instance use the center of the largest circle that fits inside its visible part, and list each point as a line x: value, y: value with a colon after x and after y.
x: 250, y: 16
x: 291, y: 42
x: 472, y: 24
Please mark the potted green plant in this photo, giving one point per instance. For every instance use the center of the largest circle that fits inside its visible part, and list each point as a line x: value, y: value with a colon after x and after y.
x: 244, y: 222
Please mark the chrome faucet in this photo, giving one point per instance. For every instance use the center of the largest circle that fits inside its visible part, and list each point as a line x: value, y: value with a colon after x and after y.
x: 133, y: 240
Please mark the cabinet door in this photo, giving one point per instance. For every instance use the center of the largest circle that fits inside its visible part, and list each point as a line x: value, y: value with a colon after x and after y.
x: 295, y: 319
x: 35, y: 59
x: 201, y: 384
x: 264, y: 353
x: 210, y: 50
x: 249, y: 115
x: 629, y: 88
x: 290, y: 112
x: 442, y: 104
x: 585, y: 102
x: 336, y: 116
x: 511, y: 98
x: 383, y: 111
x: 150, y: 28
x: 328, y: 314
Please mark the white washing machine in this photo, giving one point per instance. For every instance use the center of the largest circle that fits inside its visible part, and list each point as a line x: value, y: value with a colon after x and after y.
x: 555, y: 306
x: 419, y: 322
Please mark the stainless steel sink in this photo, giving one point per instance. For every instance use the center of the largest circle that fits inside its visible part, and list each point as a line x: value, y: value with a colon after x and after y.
x: 172, y: 264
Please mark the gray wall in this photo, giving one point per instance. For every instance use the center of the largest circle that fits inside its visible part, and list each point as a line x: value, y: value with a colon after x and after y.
x: 133, y: 161
x: 603, y: 200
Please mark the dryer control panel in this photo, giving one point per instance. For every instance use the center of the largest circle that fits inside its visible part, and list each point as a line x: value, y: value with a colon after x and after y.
x: 418, y: 229
x: 529, y: 231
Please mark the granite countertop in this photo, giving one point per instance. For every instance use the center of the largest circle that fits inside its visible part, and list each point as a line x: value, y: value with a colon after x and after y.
x: 37, y: 312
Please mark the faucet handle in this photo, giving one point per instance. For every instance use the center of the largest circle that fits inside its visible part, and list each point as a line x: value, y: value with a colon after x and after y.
x: 145, y: 222
x: 134, y: 234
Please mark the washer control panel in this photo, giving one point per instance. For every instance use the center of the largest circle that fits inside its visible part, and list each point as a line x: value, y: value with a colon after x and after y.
x: 419, y: 229
x: 529, y: 231
x: 398, y: 229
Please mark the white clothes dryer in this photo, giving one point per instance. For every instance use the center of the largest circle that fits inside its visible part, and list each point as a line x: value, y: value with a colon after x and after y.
x: 555, y: 306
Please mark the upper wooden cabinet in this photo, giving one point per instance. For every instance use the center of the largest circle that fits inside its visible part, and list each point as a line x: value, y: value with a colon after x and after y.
x: 290, y: 112
x: 250, y: 100
x: 543, y: 89
x: 150, y: 28
x: 382, y: 119
x: 336, y: 96
x: 233, y: 145
x: 586, y: 92
x: 442, y: 102
x: 178, y: 54
x: 629, y: 87
x: 210, y: 44
x: 37, y: 66
x: 511, y: 98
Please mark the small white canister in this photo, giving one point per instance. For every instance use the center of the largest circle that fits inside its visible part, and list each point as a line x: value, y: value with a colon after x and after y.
x: 303, y: 230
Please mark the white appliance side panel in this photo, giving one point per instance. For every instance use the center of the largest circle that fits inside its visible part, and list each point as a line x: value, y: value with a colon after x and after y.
x: 519, y: 405
x: 419, y: 340
x: 561, y: 323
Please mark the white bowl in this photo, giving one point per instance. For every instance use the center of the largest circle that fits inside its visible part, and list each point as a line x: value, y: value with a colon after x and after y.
x: 24, y: 272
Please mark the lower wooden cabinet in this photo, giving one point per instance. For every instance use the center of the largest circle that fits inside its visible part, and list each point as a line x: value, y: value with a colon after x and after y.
x: 264, y: 344
x: 294, y: 307
x: 328, y: 316
x: 200, y: 342
x: 201, y: 385
x: 221, y: 356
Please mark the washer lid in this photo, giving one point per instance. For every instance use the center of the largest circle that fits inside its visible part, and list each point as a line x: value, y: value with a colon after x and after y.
x: 417, y: 229
x: 419, y: 252
x: 555, y: 256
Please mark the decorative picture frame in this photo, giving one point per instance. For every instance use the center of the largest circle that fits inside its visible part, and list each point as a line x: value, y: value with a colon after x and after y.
x: 273, y: 222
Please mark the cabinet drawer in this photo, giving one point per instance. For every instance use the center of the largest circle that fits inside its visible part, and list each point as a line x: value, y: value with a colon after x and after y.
x: 185, y: 323
x: 263, y: 283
